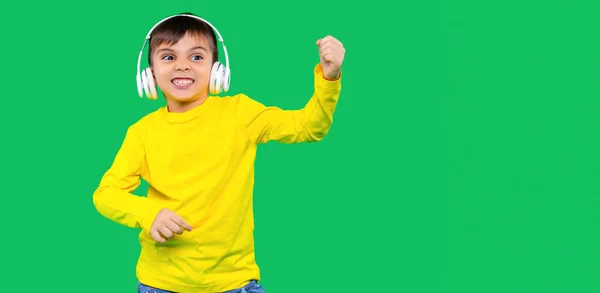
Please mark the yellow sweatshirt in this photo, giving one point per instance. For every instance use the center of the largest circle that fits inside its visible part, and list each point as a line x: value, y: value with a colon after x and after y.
x: 200, y: 164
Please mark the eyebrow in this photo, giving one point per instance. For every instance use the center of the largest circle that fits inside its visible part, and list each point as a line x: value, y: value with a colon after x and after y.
x: 192, y: 49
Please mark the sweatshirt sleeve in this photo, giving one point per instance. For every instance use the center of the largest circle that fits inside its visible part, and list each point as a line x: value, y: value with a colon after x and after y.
x: 309, y: 124
x: 113, y: 198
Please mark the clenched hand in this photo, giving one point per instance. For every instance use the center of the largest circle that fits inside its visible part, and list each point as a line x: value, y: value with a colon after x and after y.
x: 166, y: 224
x: 331, y: 53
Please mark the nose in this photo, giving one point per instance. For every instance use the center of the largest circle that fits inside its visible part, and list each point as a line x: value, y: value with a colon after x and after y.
x: 182, y: 66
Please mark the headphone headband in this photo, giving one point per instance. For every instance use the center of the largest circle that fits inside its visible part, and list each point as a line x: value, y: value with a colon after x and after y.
x: 187, y: 15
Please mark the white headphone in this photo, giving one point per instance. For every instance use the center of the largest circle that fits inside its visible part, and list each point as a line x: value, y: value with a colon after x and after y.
x: 220, y: 75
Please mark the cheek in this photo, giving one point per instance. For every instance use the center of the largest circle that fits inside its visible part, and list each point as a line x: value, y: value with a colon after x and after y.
x: 158, y: 72
x: 203, y: 68
x: 161, y: 75
x: 203, y: 72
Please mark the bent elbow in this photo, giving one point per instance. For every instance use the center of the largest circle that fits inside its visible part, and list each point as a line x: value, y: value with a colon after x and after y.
x: 97, y: 197
x: 317, y: 134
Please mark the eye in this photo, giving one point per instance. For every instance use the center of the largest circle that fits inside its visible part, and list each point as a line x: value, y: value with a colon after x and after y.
x: 196, y: 57
x: 167, y: 57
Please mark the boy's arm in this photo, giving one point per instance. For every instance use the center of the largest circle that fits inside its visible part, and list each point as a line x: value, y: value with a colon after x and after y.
x: 313, y: 121
x: 114, y: 199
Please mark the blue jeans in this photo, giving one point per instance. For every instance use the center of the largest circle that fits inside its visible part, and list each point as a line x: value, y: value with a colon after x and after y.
x: 252, y: 287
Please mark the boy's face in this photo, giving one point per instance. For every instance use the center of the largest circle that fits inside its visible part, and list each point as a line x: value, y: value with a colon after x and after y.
x: 182, y: 71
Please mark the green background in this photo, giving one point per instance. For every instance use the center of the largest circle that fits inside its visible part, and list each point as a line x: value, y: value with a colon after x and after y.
x: 463, y: 156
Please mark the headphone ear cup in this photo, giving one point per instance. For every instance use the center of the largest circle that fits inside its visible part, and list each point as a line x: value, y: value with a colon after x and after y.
x: 145, y: 83
x: 219, y: 79
x: 151, y: 84
x: 138, y: 79
x: 226, y: 78
x: 214, y: 86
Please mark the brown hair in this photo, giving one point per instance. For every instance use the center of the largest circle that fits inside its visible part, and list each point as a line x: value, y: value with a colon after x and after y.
x: 173, y: 29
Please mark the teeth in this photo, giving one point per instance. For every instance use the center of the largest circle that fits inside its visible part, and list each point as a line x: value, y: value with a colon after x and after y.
x: 182, y: 82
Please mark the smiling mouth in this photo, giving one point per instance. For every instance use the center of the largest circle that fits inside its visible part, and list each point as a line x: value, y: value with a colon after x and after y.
x: 182, y: 83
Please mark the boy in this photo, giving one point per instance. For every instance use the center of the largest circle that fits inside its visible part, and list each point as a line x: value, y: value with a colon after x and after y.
x: 197, y: 155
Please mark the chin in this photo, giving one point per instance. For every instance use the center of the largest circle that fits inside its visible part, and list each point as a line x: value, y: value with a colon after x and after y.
x: 182, y: 96
x: 183, y: 99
